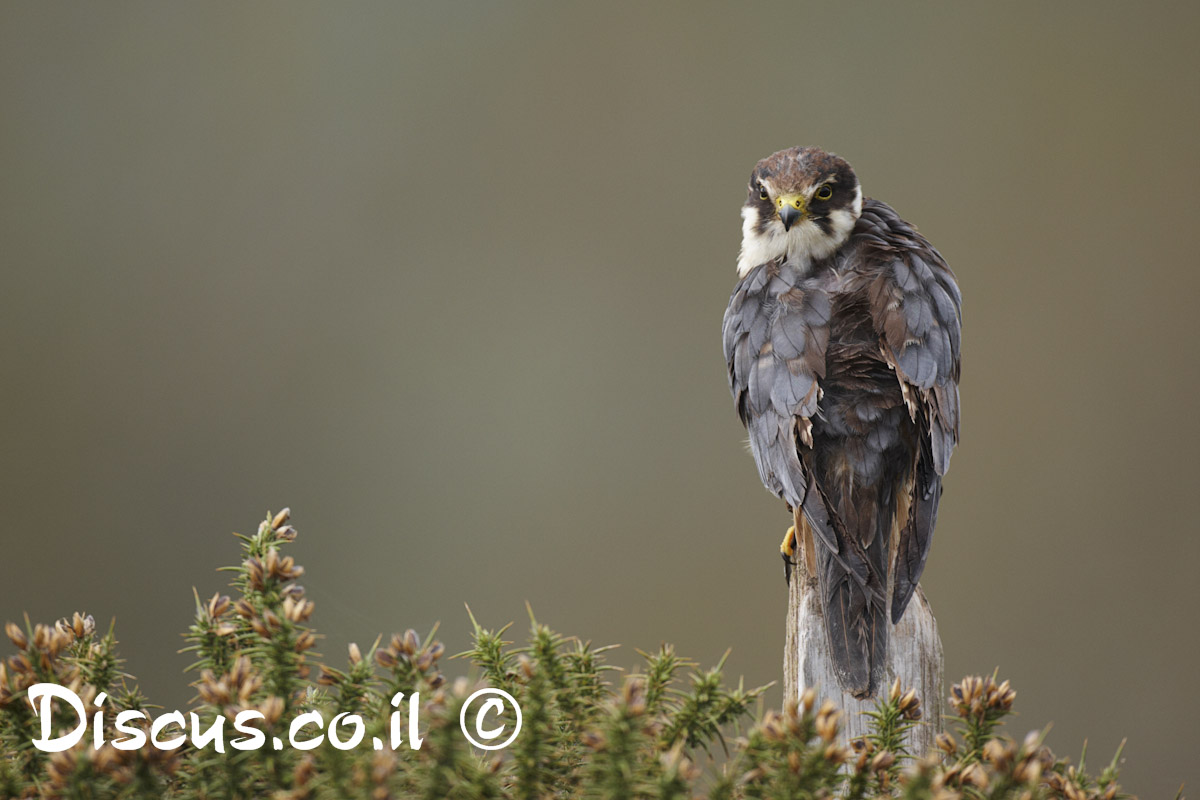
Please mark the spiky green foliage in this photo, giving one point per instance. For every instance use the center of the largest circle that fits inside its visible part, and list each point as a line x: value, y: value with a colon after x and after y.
x: 588, y: 732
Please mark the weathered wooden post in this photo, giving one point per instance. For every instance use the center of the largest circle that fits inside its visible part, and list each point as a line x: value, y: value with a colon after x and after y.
x: 914, y: 655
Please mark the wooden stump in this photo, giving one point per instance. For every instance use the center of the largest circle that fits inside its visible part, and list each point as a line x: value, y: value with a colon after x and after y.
x: 914, y: 655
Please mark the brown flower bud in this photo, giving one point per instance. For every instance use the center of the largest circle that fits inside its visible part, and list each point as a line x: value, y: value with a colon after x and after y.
x: 753, y: 775
x: 16, y: 635
x: 282, y: 568
x: 297, y: 610
x: 772, y: 726
x: 1028, y: 771
x: 1003, y: 697
x: 253, y: 568
x: 827, y: 721
x: 241, y: 671
x: 218, y: 604
x: 211, y: 690
x: 910, y: 705
x: 526, y: 666
x: 999, y: 753
x: 59, y: 640
x: 84, y: 624
x: 328, y: 676
x: 633, y: 692
x: 272, y: 709
x: 41, y: 636
x: 974, y: 775
x: 945, y: 742
x: 279, y: 519
x: 1074, y: 792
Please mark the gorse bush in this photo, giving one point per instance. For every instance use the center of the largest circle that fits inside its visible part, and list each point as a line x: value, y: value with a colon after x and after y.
x: 669, y: 730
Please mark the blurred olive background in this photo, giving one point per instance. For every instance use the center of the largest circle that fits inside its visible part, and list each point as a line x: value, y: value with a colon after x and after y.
x: 448, y: 279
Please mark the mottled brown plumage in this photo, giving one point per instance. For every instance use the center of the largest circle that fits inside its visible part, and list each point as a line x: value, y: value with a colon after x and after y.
x: 843, y: 355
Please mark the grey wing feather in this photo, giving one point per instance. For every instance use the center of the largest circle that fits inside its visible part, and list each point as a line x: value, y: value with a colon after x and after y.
x: 775, y: 334
x: 916, y: 307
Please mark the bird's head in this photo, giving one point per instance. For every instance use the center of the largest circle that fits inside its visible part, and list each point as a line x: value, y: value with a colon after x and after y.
x: 802, y: 203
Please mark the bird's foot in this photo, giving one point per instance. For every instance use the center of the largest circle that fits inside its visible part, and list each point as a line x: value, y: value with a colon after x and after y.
x: 787, y: 549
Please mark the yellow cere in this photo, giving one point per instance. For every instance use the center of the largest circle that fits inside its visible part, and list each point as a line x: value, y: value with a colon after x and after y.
x: 794, y: 200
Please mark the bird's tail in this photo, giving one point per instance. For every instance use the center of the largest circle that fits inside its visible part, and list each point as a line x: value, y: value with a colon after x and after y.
x: 851, y: 549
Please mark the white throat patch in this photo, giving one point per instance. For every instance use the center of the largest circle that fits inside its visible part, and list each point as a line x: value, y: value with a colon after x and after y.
x: 803, y: 244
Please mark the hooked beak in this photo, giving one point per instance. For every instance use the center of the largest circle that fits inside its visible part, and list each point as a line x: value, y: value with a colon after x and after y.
x: 791, y: 208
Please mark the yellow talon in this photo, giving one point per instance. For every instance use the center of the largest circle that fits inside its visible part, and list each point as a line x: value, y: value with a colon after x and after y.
x: 787, y: 548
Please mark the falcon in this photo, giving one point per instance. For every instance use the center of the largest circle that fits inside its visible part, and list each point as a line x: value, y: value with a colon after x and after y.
x: 842, y: 342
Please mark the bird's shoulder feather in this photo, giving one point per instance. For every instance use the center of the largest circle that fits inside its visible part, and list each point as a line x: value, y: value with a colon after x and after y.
x: 916, y: 308
x: 775, y: 333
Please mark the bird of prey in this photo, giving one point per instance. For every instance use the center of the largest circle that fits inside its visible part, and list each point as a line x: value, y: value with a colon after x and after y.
x: 842, y: 342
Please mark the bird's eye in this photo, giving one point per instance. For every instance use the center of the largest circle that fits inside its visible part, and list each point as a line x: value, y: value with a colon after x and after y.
x: 762, y: 192
x: 825, y: 192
